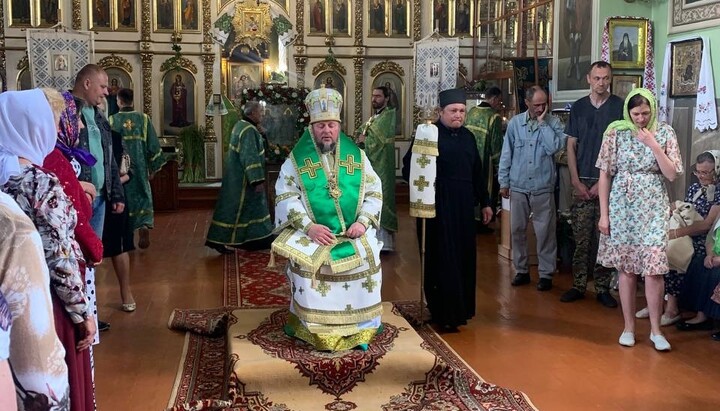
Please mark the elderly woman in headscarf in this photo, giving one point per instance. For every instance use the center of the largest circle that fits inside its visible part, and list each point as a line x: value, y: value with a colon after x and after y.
x: 64, y: 162
x: 27, y: 130
x: 40, y: 194
x: 704, y: 195
x: 636, y: 153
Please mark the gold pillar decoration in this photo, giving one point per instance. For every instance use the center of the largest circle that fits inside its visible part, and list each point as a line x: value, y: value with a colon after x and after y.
x: 300, y: 63
x: 417, y: 14
x: 359, y: 23
x: 300, y: 57
x: 300, y: 22
x: 3, y: 61
x: 145, y: 21
x: 147, y: 58
x: 359, y: 63
x: 208, y: 59
x: 76, y: 15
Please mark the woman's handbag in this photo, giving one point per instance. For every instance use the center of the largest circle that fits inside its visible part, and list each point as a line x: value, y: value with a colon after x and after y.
x: 680, y: 250
x: 124, y: 164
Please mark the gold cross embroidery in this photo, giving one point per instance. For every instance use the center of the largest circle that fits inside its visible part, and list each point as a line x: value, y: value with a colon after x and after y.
x: 423, y: 161
x: 421, y: 183
x: 323, y: 288
x: 289, y: 180
x: 310, y: 168
x: 128, y: 124
x: 350, y: 164
x: 304, y: 241
x: 369, y: 284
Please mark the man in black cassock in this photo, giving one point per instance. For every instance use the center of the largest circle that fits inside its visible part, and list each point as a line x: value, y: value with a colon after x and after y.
x: 450, y: 248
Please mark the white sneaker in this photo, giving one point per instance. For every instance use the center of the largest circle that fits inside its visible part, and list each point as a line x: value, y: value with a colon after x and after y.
x: 644, y: 313
x: 661, y: 344
x: 627, y: 339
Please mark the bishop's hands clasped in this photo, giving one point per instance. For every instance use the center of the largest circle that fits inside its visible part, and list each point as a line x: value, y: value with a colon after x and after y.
x: 322, y: 235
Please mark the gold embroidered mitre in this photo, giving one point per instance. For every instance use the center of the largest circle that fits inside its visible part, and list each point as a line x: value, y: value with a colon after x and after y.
x: 324, y: 104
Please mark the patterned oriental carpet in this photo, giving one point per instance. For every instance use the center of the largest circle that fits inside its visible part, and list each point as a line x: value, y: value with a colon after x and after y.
x: 405, y: 368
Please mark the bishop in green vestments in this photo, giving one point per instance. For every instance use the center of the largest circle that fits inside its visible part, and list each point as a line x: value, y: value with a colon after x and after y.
x: 146, y: 158
x: 241, y: 217
x: 378, y: 136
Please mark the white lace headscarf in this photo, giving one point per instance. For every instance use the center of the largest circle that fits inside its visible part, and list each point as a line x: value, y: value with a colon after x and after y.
x: 27, y: 130
x: 710, y: 189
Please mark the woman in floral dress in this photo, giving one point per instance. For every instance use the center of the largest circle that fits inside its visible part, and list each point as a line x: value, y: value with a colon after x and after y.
x: 636, y: 153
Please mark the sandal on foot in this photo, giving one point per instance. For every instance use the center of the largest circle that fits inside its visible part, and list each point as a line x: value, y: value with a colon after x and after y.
x: 129, y: 307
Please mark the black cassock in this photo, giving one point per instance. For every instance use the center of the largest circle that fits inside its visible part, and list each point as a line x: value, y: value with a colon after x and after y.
x: 450, y: 248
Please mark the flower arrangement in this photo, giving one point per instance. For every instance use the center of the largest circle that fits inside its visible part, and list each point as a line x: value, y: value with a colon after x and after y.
x: 279, y: 94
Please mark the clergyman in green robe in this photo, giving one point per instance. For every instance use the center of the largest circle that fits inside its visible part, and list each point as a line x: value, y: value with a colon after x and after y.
x: 378, y: 136
x: 486, y: 125
x: 242, y: 218
x: 146, y: 159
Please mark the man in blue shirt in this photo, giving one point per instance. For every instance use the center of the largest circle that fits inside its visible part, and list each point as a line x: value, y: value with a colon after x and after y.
x: 527, y: 177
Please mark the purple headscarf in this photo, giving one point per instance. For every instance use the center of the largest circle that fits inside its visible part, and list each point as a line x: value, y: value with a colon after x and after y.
x: 69, y: 133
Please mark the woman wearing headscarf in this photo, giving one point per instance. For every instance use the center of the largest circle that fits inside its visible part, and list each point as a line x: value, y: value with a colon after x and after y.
x: 636, y: 153
x: 40, y: 194
x: 64, y: 162
x: 704, y: 195
x: 27, y: 126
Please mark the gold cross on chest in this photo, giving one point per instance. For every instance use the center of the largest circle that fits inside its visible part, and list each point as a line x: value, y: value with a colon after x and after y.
x: 350, y: 164
x: 128, y: 124
x: 310, y: 168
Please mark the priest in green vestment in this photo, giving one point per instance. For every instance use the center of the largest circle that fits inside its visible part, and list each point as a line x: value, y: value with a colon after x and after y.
x: 378, y: 137
x: 146, y: 159
x: 485, y: 123
x: 327, y: 211
x: 242, y: 218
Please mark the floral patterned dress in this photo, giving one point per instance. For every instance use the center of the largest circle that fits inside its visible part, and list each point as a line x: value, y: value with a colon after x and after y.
x: 639, y: 206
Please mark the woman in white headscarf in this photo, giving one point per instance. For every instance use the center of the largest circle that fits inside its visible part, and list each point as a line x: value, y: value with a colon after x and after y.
x: 28, y: 133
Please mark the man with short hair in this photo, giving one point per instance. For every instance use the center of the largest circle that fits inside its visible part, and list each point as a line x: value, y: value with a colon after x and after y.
x: 242, y: 217
x: 146, y: 159
x: 486, y: 125
x: 378, y: 139
x: 589, y: 117
x: 527, y: 177
x: 90, y: 90
x: 327, y: 212
x: 460, y: 185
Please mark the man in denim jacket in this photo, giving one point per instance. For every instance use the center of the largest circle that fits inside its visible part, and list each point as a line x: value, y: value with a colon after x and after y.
x: 527, y: 177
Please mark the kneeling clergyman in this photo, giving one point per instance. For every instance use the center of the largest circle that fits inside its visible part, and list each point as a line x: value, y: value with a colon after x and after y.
x: 327, y: 212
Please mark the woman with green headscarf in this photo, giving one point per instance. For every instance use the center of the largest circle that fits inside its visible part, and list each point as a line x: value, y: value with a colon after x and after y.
x: 636, y: 153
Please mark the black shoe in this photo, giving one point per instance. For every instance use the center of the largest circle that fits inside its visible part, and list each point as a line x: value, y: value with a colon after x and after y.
x: 103, y: 326
x: 545, y: 284
x: 571, y: 295
x: 521, y: 279
x: 716, y: 336
x: 607, y: 300
x: 219, y: 248
x: 706, y: 325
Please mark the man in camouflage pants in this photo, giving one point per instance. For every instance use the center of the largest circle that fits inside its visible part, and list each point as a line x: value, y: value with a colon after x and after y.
x: 589, y: 117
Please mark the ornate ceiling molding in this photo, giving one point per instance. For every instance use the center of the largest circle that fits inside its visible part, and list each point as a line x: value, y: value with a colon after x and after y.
x: 387, y: 66
x: 329, y: 66
x: 175, y: 62
x: 115, y: 61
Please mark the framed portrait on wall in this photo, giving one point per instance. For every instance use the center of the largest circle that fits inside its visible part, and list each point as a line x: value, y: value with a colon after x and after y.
x: 575, y: 47
x: 441, y: 16
x: 126, y: 15
x: 622, y: 84
x: 189, y: 15
x: 400, y: 18
x: 178, y: 97
x: 686, y: 57
x: 100, y: 15
x: 164, y: 12
x: 243, y: 76
x: 340, y: 18
x: 464, y: 16
x: 49, y: 13
x: 332, y: 79
x: 317, y: 17
x: 377, y: 18
x: 627, y: 43
x: 19, y: 13
x: 117, y: 78
x: 396, y: 99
